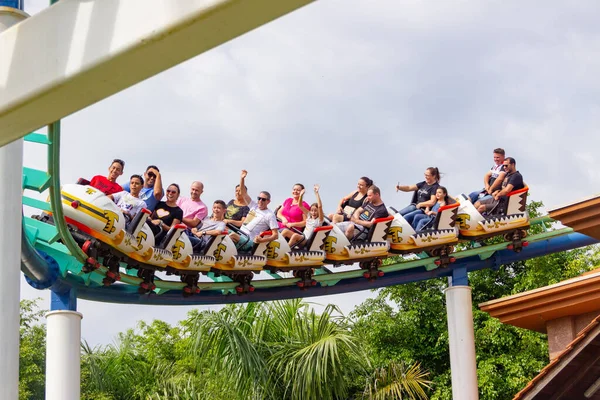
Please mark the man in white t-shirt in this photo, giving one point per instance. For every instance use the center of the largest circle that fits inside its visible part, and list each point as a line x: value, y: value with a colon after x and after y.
x: 258, y: 220
x: 492, y: 180
x: 194, y: 209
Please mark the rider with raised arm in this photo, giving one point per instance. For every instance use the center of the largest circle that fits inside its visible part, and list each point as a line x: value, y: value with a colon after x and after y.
x: 291, y: 213
x: 166, y: 215
x: 237, y: 208
x: 108, y: 185
x: 363, y: 217
x: 315, y: 218
x: 259, y: 219
x: 492, y: 180
x: 424, y: 195
x: 152, y: 192
x: 512, y: 181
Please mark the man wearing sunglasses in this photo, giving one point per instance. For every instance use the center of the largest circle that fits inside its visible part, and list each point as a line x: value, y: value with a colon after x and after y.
x: 258, y: 220
x: 512, y: 181
x: 108, y: 185
x: 152, y: 192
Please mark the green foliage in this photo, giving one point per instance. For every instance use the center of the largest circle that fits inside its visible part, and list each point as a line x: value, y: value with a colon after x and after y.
x: 396, y: 381
x: 32, y: 352
x: 152, y: 362
x: 408, y: 322
x: 277, y: 350
x: 281, y: 350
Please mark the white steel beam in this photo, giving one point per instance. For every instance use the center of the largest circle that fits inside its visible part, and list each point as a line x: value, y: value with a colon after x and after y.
x: 78, y: 52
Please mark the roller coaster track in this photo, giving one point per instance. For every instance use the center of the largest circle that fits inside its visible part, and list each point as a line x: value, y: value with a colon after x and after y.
x: 51, y: 258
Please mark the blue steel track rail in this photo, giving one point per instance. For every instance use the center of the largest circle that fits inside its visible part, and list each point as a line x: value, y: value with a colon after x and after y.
x: 127, y: 294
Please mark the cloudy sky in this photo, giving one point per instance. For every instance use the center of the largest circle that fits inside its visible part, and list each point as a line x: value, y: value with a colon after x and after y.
x: 346, y: 88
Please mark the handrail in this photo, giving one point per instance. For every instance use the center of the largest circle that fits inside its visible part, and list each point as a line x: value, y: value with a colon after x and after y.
x: 55, y: 196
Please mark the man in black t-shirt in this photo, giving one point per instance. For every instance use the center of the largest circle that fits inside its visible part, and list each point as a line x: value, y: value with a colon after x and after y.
x: 364, y: 216
x: 512, y: 181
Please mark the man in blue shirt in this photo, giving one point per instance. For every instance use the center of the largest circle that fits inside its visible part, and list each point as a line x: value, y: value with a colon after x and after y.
x: 152, y: 192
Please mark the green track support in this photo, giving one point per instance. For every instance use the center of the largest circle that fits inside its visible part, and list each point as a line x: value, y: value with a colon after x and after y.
x: 322, y: 271
x: 35, y: 203
x: 39, y: 231
x: 37, y: 138
x: 273, y: 275
x: 34, y: 179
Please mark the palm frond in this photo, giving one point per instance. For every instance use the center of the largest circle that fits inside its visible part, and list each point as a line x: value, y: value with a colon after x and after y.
x: 396, y: 381
x: 226, y: 337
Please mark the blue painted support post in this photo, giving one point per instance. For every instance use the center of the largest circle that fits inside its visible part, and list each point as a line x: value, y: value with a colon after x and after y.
x: 459, y: 277
x: 461, y: 334
x: 18, y: 4
x: 63, y: 345
x: 65, y: 299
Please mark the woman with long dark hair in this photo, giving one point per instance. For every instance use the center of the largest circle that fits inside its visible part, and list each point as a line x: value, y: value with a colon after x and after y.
x: 354, y: 200
x: 424, y: 194
x: 166, y: 214
x: 422, y: 221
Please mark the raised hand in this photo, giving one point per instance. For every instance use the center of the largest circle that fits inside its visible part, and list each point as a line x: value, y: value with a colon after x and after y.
x: 244, y: 174
x: 316, y: 188
x: 154, y: 171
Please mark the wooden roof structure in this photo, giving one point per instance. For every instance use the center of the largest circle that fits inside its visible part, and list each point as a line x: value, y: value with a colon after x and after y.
x: 583, y: 216
x: 533, y: 309
x: 574, y: 374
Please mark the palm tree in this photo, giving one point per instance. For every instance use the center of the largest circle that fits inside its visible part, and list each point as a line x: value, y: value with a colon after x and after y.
x: 313, y: 356
x: 281, y: 350
x: 395, y: 381
x: 228, y: 339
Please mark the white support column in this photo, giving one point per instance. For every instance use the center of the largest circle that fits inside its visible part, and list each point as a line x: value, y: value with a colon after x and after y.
x: 462, y: 343
x: 63, y: 355
x: 11, y: 170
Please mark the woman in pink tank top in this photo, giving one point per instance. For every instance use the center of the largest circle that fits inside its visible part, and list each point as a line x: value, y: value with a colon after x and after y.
x: 290, y: 214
